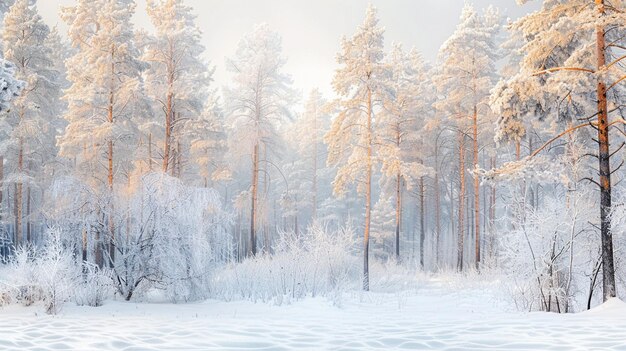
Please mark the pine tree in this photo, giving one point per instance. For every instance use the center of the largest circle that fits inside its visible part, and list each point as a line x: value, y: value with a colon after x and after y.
x: 257, y: 104
x: 405, y: 109
x: 353, y: 139
x: 105, y: 82
x: 309, y: 154
x: 467, y: 75
x: 35, y: 117
x: 576, y: 44
x: 177, y: 79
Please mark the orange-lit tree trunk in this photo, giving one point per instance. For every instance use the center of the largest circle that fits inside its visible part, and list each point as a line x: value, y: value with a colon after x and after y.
x: 608, y: 268
x: 110, y: 161
x: 476, y: 189
x: 398, y: 213
x: 169, y: 105
x: 398, y: 197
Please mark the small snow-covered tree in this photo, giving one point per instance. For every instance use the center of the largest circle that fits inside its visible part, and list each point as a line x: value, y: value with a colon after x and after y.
x: 360, y: 83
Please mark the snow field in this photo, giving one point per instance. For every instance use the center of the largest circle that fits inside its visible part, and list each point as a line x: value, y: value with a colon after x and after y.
x: 436, y: 316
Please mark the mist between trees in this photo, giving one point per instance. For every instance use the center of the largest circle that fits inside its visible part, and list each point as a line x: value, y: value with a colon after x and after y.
x: 125, y: 170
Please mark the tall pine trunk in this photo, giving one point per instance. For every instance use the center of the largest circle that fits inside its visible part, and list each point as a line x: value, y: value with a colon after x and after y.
x: 437, y: 206
x: 29, y: 238
x: 422, y: 224
x: 461, y: 228
x: 150, y: 152
x: 169, y: 114
x: 19, y: 196
x: 608, y: 268
x: 398, y: 213
x: 111, y: 228
x: 315, y: 141
x: 254, y: 195
x: 368, y: 195
x: 476, y: 190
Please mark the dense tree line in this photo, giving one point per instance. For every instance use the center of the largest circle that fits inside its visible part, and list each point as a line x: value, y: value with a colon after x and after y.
x: 491, y: 156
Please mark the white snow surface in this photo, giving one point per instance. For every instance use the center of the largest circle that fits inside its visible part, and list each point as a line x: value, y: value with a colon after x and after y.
x: 437, y: 316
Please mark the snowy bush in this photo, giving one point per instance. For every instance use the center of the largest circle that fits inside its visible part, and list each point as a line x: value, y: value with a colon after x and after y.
x: 56, y: 273
x: 20, y: 285
x: 550, y: 252
x: 317, y: 262
x: 48, y: 274
x: 94, y: 286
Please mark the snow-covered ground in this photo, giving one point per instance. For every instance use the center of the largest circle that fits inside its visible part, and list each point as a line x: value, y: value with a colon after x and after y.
x: 437, y: 316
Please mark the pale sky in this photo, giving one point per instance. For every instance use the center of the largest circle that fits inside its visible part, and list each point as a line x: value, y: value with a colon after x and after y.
x: 311, y: 29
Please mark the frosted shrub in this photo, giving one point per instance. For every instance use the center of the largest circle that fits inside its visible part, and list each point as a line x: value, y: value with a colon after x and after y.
x: 94, y: 286
x: 48, y: 275
x: 317, y: 262
x: 56, y: 274
x: 550, y: 252
x: 21, y: 284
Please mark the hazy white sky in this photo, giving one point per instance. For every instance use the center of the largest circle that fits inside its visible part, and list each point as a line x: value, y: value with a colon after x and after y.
x: 311, y: 29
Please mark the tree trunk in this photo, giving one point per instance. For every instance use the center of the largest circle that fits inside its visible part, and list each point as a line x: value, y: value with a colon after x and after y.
x: 253, y: 206
x: 169, y: 109
x: 315, y: 141
x: 29, y: 238
x: 437, y: 207
x: 179, y: 160
x: 492, y: 211
x: 368, y: 195
x: 398, y: 213
x: 608, y: 268
x: 476, y: 191
x: 4, y: 246
x: 422, y: 224
x: 461, y: 228
x: 150, y: 152
x: 19, y: 195
x: 110, y: 159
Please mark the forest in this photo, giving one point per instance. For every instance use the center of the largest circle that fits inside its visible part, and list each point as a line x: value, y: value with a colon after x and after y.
x: 127, y: 172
